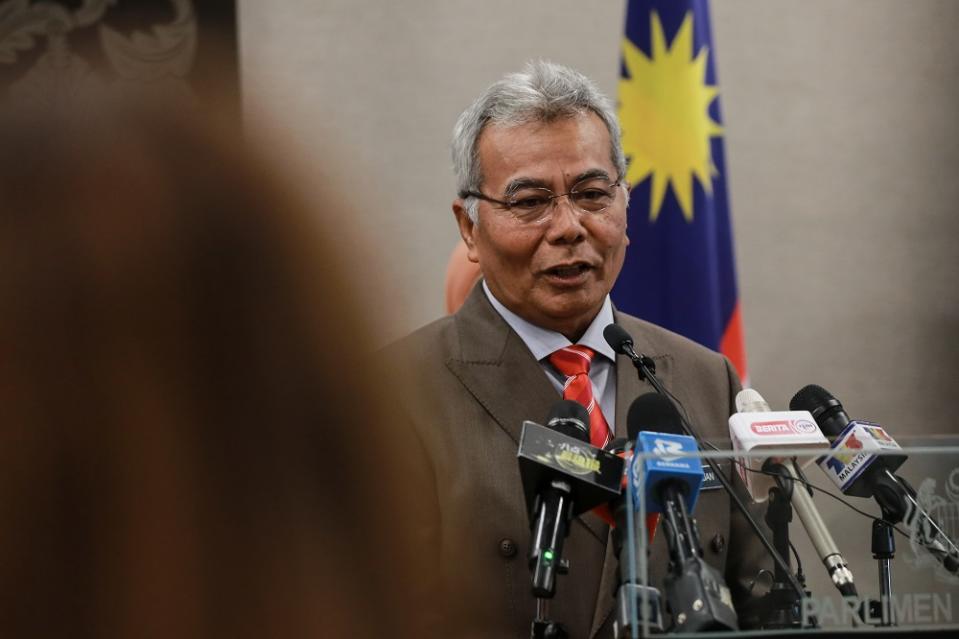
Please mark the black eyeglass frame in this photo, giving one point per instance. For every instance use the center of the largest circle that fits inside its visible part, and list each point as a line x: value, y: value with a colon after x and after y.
x: 552, y: 197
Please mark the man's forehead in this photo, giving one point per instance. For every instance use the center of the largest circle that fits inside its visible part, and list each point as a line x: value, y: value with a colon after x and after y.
x: 578, y: 145
x: 573, y: 125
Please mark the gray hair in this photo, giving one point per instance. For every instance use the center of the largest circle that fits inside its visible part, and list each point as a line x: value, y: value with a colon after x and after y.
x: 541, y: 92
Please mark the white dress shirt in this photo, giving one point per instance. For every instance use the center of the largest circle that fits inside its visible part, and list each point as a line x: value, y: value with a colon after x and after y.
x: 542, y: 343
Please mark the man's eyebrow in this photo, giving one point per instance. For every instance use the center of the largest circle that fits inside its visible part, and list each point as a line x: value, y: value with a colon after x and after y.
x: 524, y: 183
x: 591, y: 174
x: 534, y: 183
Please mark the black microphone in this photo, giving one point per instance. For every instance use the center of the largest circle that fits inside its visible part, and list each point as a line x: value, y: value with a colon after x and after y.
x: 553, y: 508
x: 563, y: 476
x: 621, y: 342
x: 877, y: 478
x: 570, y: 418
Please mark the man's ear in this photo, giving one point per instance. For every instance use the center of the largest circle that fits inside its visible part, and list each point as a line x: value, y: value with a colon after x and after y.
x: 467, y: 229
x: 627, y: 189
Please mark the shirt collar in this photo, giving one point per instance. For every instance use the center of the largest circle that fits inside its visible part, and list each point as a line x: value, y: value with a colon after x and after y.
x: 542, y: 342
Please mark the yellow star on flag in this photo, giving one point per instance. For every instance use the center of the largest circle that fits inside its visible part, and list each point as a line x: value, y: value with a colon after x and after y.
x: 664, y: 112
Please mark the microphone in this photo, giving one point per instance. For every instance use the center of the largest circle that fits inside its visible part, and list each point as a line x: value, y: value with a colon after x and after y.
x: 755, y: 427
x: 569, y: 418
x: 621, y: 342
x: 563, y: 476
x: 696, y: 593
x: 864, y: 465
x: 862, y: 474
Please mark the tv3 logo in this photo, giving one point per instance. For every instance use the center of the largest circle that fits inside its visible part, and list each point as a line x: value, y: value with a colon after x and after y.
x: 838, y: 461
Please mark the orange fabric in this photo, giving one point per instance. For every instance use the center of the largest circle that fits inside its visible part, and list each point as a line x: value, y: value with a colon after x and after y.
x: 461, y: 276
x: 733, y: 345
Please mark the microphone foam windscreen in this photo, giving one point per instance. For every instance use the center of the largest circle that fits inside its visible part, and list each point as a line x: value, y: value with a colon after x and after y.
x: 617, y: 337
x: 570, y: 418
x: 655, y: 413
x: 815, y: 399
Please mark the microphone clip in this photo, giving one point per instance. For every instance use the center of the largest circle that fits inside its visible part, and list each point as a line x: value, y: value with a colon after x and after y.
x: 617, y: 337
x: 644, y: 364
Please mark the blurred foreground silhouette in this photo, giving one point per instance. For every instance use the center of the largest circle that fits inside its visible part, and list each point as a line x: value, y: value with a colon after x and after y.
x: 188, y: 446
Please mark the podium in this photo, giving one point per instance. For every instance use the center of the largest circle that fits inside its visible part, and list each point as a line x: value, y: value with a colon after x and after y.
x: 905, y: 573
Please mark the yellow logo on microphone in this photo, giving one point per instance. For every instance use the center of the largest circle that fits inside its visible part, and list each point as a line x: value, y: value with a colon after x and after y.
x: 577, y: 460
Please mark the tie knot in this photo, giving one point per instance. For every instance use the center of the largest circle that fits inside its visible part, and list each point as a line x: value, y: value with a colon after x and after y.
x: 572, y: 360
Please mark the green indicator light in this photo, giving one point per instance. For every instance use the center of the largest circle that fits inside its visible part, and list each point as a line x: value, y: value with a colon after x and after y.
x: 548, y: 555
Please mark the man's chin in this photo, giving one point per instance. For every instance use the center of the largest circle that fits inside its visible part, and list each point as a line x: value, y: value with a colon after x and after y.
x: 569, y: 318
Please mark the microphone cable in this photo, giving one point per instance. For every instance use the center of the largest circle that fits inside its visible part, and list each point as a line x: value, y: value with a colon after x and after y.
x: 844, y: 502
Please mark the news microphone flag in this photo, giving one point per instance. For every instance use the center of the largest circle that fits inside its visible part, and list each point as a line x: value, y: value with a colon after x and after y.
x: 679, y: 270
x: 855, y: 449
x: 669, y: 458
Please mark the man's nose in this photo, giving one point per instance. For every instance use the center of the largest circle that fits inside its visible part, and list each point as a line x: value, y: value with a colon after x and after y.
x: 565, y: 221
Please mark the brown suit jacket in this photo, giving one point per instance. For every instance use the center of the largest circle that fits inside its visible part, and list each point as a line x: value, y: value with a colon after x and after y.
x: 470, y: 382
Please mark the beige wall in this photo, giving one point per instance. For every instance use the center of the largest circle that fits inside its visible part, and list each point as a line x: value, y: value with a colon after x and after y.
x: 842, y: 142
x: 843, y: 152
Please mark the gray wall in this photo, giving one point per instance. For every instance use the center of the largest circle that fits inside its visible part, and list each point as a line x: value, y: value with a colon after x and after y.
x: 842, y: 142
x: 843, y: 146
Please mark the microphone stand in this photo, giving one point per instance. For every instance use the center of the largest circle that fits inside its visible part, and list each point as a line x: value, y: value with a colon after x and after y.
x: 893, y: 508
x: 780, y: 607
x: 546, y: 559
x: 635, y: 601
x: 883, y: 550
x: 696, y: 596
x: 646, y: 368
x: 543, y: 627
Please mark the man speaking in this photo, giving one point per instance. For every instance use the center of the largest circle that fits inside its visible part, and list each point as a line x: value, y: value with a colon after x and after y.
x: 541, y: 207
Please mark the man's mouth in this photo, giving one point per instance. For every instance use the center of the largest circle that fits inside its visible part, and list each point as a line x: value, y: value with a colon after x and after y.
x: 568, y: 271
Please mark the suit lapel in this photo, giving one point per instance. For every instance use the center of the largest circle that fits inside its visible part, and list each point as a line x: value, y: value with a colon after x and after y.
x: 628, y: 388
x: 496, y: 367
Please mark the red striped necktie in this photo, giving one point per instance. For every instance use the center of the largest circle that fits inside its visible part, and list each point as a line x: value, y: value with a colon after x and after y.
x: 573, y: 361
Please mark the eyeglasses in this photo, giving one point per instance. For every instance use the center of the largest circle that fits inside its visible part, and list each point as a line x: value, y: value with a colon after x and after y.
x: 534, y: 204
